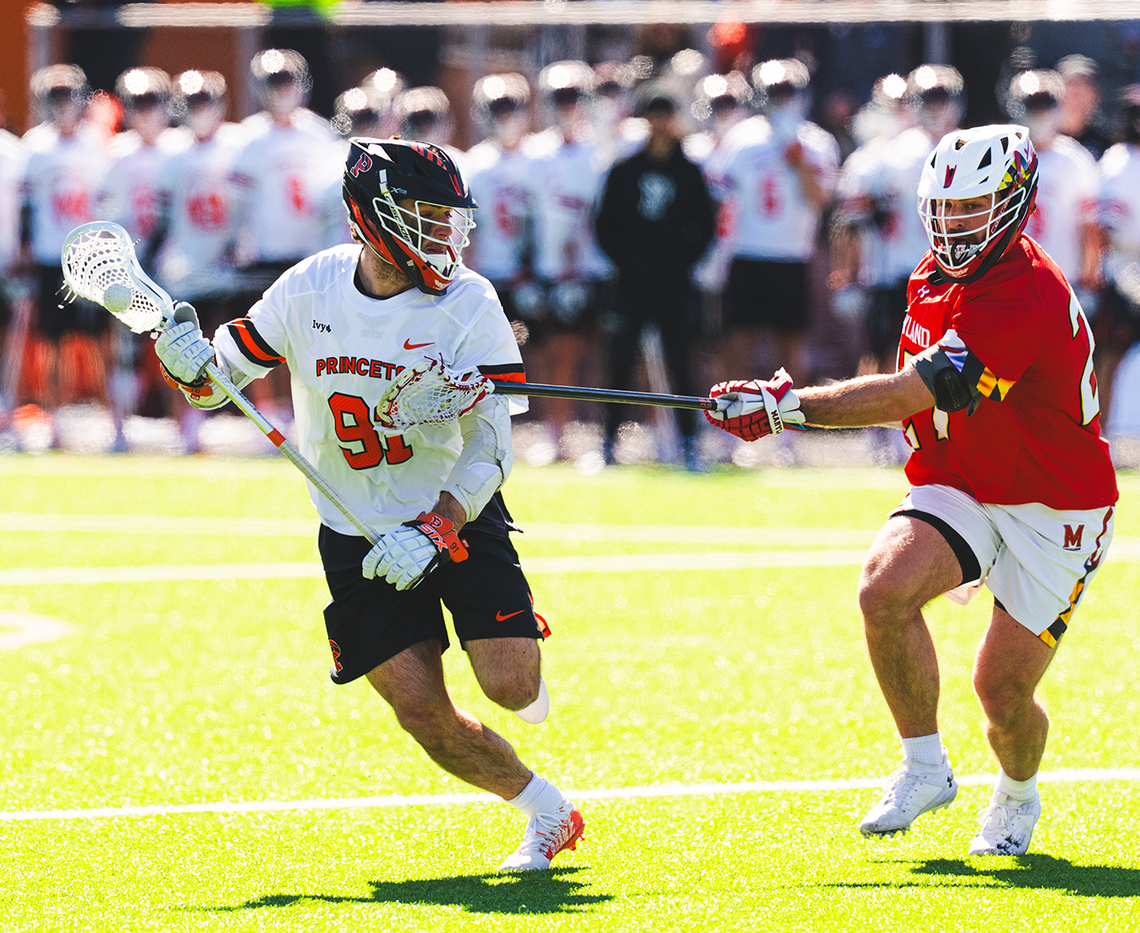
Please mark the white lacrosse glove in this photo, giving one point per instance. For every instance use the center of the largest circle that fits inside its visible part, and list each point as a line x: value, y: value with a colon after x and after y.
x: 405, y: 555
x: 752, y: 410
x: 183, y: 350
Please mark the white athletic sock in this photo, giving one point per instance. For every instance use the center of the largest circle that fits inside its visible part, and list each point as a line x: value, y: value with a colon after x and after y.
x: 1020, y: 791
x: 539, y: 796
x: 925, y: 749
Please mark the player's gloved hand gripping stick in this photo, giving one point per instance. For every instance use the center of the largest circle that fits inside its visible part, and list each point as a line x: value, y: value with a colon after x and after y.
x: 99, y: 264
x: 432, y: 393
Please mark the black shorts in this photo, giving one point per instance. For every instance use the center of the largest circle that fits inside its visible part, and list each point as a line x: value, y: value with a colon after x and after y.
x: 57, y: 316
x: 885, y: 318
x: 772, y: 295
x: 370, y: 621
x: 566, y: 308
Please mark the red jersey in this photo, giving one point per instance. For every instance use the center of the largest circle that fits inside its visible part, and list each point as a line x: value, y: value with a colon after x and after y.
x: 1019, y: 336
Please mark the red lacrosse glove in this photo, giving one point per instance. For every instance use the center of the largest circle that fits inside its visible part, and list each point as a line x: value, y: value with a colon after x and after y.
x: 753, y: 409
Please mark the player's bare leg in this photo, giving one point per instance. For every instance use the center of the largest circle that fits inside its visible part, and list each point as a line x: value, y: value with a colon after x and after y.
x: 910, y: 563
x: 412, y: 683
x: 1011, y: 661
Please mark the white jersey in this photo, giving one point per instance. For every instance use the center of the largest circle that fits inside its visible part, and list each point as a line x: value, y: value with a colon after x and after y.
x: 60, y: 180
x: 343, y: 350
x: 1119, y: 209
x: 775, y: 220
x: 128, y: 192
x: 11, y: 168
x: 1066, y: 202
x: 194, y: 188
x: 713, y: 156
x: 497, y: 180
x: 878, y: 190
x: 287, y: 182
x: 565, y: 182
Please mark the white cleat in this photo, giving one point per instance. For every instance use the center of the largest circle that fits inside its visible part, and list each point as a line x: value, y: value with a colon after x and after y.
x: 914, y: 789
x: 1006, y: 826
x: 546, y: 835
x: 539, y: 709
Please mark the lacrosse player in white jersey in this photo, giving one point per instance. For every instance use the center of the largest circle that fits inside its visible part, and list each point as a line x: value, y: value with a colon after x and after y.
x: 878, y: 237
x: 1065, y: 221
x: 565, y: 177
x: 128, y: 195
x: 285, y: 198
x: 1117, y: 324
x: 780, y: 181
x: 496, y: 170
x: 11, y: 271
x: 64, y: 162
x: 346, y: 321
x: 191, y: 244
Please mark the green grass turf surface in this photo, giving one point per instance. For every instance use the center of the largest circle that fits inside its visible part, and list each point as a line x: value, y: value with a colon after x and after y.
x: 174, y: 693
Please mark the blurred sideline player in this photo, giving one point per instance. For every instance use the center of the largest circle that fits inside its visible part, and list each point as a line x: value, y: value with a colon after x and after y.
x: 419, y: 489
x: 128, y: 195
x: 1065, y: 222
x: 64, y: 163
x: 424, y: 113
x: 1117, y: 325
x: 565, y: 175
x: 496, y: 170
x: 1012, y: 485
x: 780, y: 179
x: 284, y: 194
x: 196, y: 223
x: 721, y: 104
x: 1081, y: 116
x: 383, y: 86
x: 12, y: 273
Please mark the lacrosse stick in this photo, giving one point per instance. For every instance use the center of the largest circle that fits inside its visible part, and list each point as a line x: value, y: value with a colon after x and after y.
x: 431, y: 393
x: 99, y: 264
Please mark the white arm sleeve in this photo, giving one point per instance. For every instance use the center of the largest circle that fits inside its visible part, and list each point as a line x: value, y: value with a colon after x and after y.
x: 486, y: 459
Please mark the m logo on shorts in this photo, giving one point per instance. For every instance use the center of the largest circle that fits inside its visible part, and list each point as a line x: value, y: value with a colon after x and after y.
x: 1073, y: 537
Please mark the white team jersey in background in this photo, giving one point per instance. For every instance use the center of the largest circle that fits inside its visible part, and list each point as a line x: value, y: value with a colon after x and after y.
x: 497, y: 180
x: 565, y: 182
x: 904, y: 237
x: 775, y: 221
x: 61, y: 177
x: 855, y: 194
x: 713, y: 156
x: 128, y: 192
x: 1119, y: 209
x: 288, y: 180
x: 1066, y: 202
x: 194, y: 185
x: 11, y: 168
x: 343, y: 350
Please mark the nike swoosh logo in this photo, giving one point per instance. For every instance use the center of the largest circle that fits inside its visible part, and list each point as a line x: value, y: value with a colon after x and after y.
x: 499, y: 617
x: 416, y: 346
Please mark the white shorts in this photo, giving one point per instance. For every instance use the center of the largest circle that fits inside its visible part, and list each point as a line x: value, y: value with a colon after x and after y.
x: 1036, y: 561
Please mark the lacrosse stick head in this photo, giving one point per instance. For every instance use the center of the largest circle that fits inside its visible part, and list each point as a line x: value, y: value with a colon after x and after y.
x: 99, y: 264
x: 429, y: 393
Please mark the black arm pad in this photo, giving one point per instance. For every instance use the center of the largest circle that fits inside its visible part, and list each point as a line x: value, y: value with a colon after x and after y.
x: 950, y: 389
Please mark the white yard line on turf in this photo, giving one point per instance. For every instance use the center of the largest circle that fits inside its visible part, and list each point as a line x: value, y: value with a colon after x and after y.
x: 30, y: 629
x: 1066, y: 776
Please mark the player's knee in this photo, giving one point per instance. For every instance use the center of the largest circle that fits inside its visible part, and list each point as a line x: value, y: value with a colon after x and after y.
x: 1003, y: 701
x: 512, y: 689
x: 881, y: 600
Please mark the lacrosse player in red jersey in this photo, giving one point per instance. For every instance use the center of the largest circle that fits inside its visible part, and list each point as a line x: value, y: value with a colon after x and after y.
x: 346, y: 321
x: 1012, y: 485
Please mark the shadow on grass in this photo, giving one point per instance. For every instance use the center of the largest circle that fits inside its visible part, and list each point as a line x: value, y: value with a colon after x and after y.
x: 539, y: 892
x: 1029, y: 872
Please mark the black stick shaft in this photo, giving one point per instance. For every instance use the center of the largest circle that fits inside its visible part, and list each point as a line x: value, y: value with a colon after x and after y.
x: 615, y: 396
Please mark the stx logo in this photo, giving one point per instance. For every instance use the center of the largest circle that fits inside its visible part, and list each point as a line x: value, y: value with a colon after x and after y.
x: 322, y: 328
x: 1073, y: 537
x: 363, y: 164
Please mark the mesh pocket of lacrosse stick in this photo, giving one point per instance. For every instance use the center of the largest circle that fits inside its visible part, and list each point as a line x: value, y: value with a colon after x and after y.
x: 99, y: 264
x: 429, y: 393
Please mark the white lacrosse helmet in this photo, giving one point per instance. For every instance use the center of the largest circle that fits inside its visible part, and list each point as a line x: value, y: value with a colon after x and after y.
x: 996, y: 164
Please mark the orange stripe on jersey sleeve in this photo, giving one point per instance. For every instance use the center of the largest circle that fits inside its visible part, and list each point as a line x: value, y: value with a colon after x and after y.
x: 253, y: 345
x: 511, y: 372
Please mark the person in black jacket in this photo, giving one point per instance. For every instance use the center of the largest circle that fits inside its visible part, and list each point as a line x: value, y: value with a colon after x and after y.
x: 655, y: 221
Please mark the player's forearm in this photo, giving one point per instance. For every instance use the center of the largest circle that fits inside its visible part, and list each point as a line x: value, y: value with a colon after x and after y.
x: 448, y: 506
x: 864, y: 401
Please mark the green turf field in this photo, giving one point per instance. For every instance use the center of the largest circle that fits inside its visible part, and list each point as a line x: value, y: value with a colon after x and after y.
x: 707, y: 656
